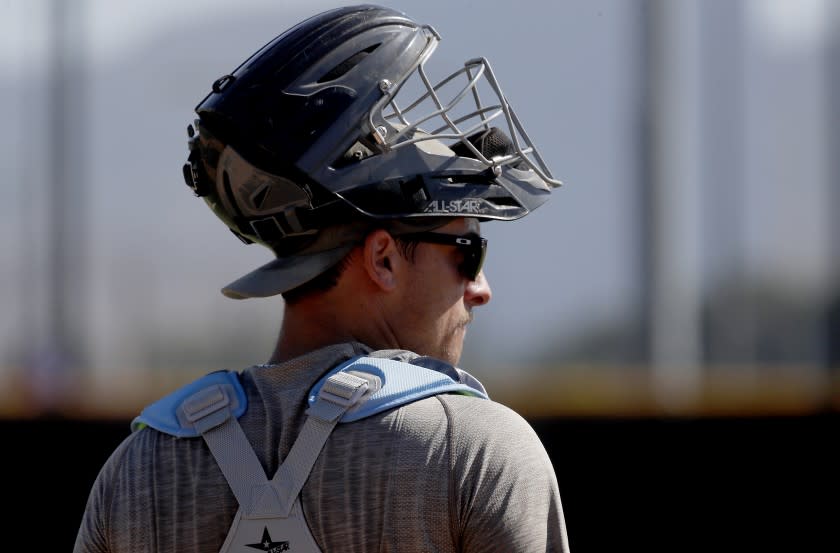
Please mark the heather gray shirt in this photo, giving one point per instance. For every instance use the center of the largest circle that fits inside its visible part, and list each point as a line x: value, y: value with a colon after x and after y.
x: 448, y: 473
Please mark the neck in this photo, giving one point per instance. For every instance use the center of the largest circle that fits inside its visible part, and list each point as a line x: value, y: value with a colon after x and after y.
x: 303, y: 331
x: 313, y: 323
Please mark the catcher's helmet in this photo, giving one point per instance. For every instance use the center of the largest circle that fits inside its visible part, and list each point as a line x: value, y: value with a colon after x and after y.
x: 308, y: 133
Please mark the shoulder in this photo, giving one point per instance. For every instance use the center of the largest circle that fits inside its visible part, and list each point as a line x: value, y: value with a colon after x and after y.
x: 477, y: 430
x: 486, y: 422
x: 492, y: 443
x: 503, y: 481
x: 146, y: 447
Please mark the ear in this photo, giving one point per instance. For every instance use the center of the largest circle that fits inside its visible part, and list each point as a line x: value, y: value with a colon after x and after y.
x: 381, y: 258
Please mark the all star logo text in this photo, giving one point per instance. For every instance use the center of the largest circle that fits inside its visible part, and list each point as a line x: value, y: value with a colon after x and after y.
x: 268, y: 545
x: 468, y: 205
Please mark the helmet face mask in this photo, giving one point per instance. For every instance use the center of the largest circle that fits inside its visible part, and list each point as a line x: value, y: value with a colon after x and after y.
x: 338, y: 119
x: 452, y: 110
x: 456, y: 153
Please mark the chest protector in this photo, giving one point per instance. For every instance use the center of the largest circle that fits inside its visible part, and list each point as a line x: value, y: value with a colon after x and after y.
x: 270, y: 517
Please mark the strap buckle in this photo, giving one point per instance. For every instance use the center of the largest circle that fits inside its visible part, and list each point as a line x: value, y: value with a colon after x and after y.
x: 207, y: 408
x: 340, y: 392
x: 343, y: 389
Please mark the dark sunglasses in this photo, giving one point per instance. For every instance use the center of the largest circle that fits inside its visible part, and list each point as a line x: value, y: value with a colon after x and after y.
x: 473, y: 246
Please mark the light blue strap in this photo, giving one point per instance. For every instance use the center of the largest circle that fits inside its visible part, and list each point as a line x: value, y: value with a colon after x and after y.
x: 394, y: 383
x: 210, y: 407
x: 201, y: 404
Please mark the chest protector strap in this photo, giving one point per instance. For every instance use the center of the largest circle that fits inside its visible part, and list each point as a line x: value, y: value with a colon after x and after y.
x: 270, y: 517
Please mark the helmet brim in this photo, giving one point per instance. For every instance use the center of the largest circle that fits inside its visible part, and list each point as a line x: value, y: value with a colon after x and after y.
x: 284, y: 274
x: 329, y: 247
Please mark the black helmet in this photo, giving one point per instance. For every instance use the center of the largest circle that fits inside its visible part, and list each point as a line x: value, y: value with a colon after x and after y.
x: 337, y: 119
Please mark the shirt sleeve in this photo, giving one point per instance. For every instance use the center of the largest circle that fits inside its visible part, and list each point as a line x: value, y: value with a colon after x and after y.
x: 503, y: 483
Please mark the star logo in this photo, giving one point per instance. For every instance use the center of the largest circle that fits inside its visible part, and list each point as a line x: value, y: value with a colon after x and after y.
x: 268, y: 545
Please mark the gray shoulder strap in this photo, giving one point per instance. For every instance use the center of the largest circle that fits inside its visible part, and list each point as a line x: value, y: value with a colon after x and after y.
x: 269, y: 512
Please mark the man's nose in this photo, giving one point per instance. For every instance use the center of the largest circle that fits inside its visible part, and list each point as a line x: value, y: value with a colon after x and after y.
x: 478, y: 291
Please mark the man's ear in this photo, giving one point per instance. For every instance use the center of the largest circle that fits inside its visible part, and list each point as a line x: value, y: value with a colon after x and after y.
x: 380, y: 257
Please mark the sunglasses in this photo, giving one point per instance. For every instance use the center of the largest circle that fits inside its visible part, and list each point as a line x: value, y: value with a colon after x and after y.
x: 473, y: 246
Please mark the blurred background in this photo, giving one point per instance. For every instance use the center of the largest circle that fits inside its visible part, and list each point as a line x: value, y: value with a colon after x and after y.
x: 679, y: 295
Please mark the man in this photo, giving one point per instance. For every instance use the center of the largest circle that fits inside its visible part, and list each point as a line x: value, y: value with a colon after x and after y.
x: 350, y: 438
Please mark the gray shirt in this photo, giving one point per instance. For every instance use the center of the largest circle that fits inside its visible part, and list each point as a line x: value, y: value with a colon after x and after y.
x: 447, y: 473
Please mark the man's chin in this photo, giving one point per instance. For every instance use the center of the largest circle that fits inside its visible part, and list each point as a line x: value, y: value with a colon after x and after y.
x: 452, y: 354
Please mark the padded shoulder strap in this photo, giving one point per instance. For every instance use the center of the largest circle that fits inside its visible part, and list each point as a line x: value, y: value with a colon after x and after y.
x: 392, y: 383
x: 185, y: 411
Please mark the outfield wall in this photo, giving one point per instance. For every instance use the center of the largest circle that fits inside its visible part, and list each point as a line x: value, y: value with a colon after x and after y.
x: 648, y: 484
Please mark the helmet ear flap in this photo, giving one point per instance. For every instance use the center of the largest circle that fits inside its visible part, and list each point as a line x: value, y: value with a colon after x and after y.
x: 193, y: 175
x: 197, y: 179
